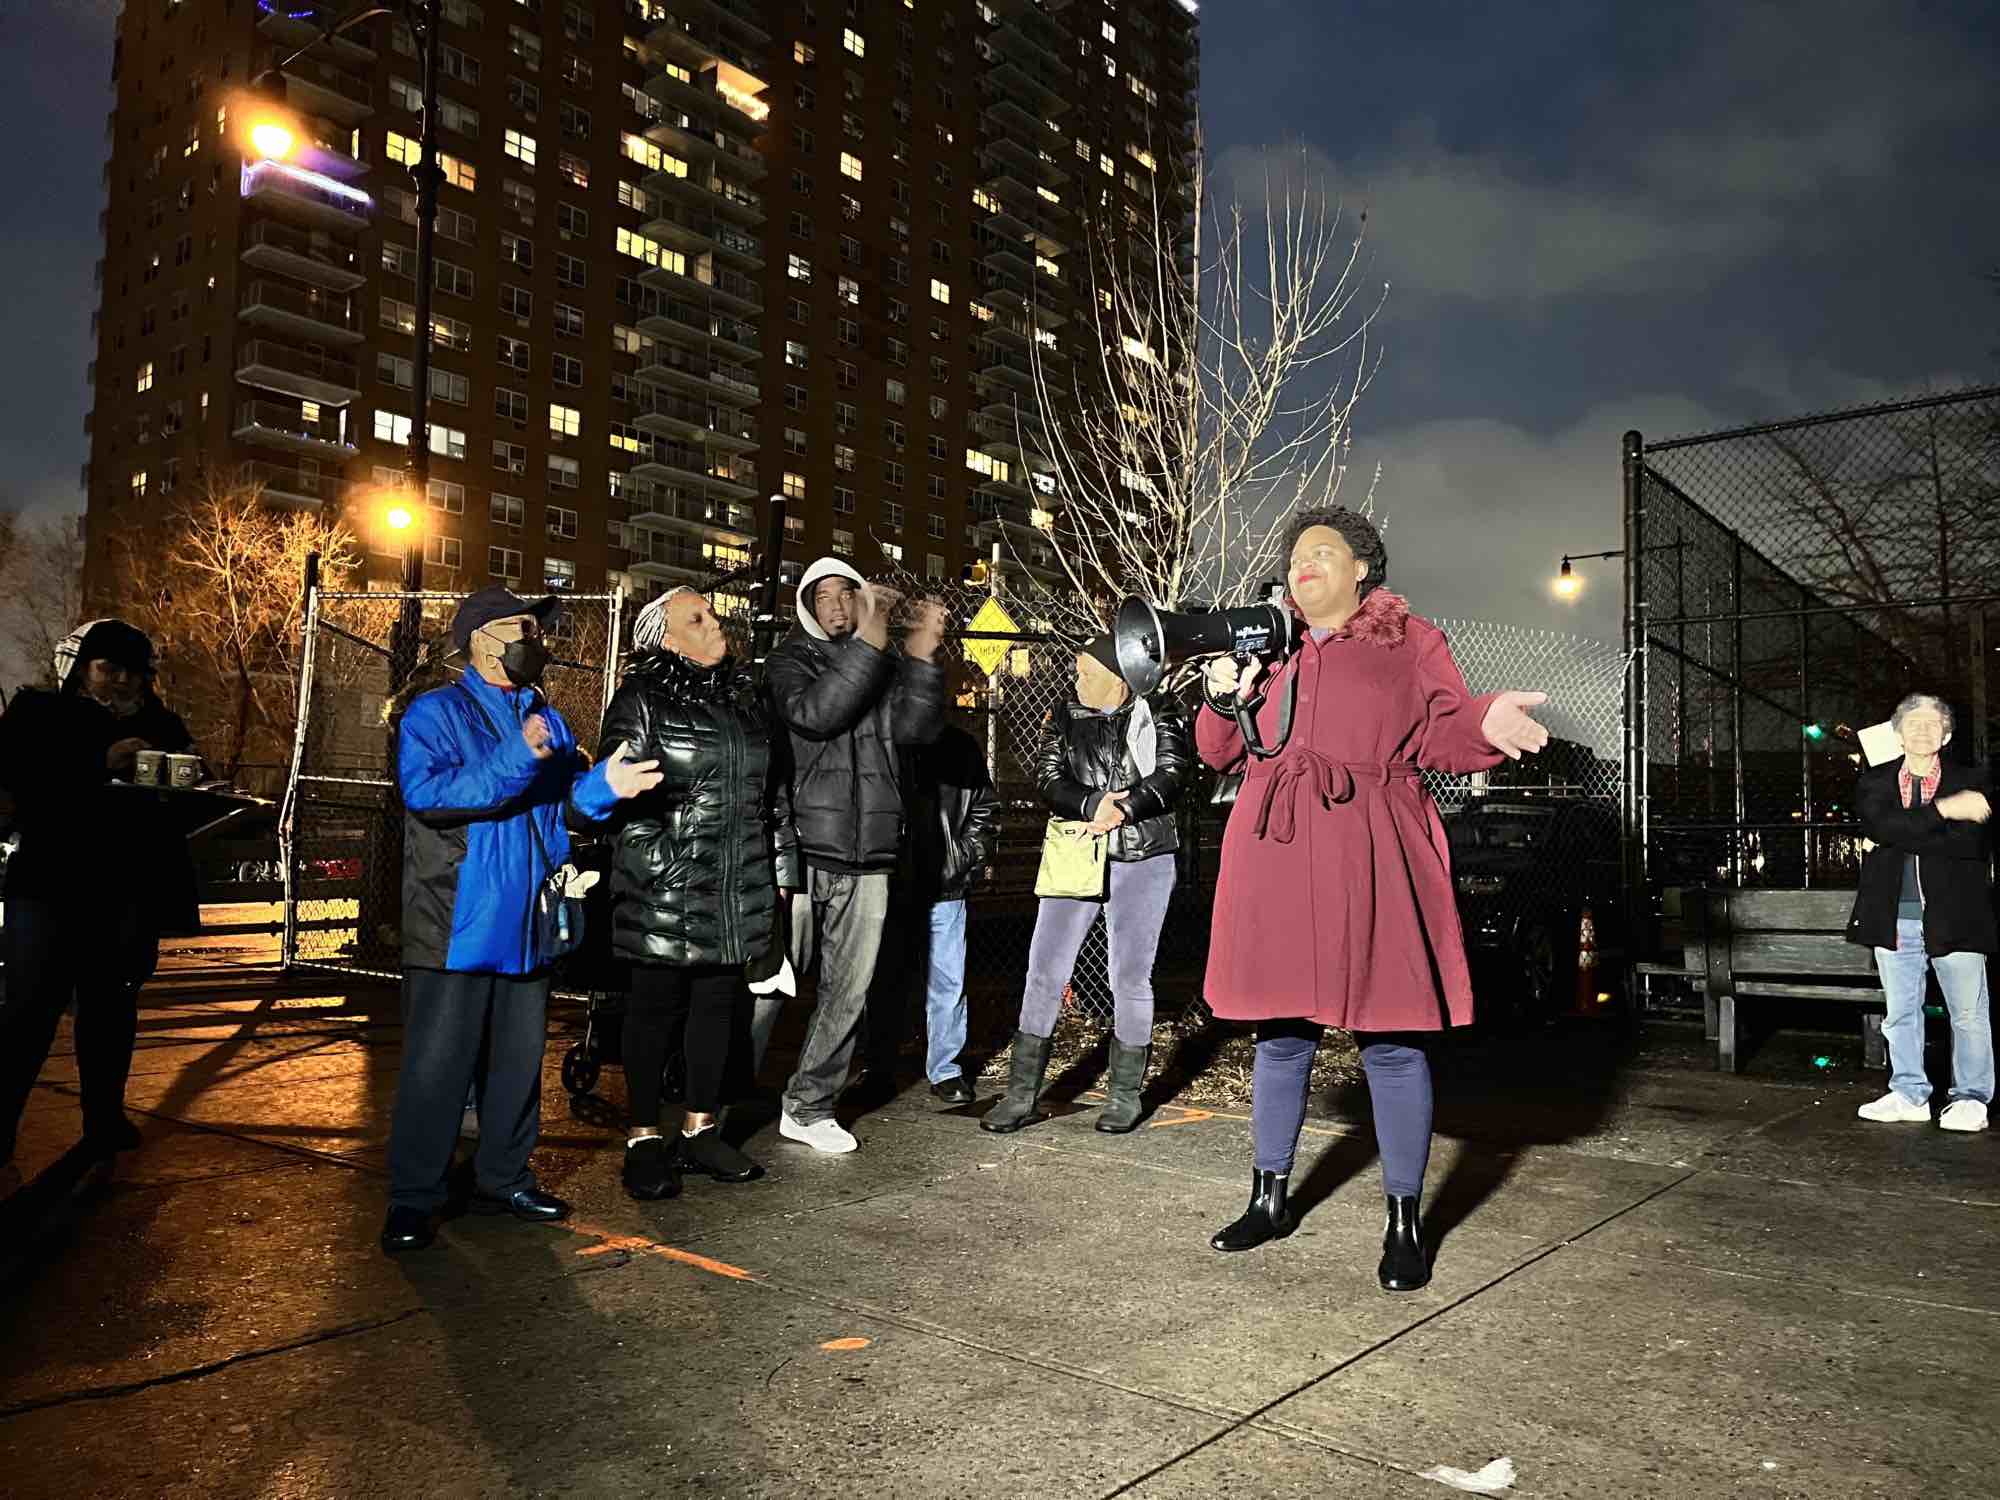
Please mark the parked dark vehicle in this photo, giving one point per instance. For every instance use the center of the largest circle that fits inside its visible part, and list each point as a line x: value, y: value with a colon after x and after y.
x: 1526, y: 868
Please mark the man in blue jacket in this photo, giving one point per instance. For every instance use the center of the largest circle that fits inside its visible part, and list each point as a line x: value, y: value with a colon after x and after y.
x: 486, y: 768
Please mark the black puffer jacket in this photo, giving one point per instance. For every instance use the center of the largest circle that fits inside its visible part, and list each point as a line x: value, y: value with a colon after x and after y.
x: 952, y: 813
x: 848, y: 707
x: 1951, y: 863
x: 697, y: 862
x: 1083, y: 755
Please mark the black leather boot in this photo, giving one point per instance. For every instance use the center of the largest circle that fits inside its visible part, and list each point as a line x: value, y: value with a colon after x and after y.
x: 1406, y: 1265
x: 1025, y: 1068
x: 652, y: 1169
x: 1128, y: 1073
x: 1266, y: 1218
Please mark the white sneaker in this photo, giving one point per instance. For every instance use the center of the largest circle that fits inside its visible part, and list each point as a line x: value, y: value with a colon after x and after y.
x: 1893, y: 1107
x: 821, y: 1135
x: 1963, y: 1114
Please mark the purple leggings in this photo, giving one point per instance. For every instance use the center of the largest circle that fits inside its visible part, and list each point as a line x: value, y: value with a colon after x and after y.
x: 1399, y: 1086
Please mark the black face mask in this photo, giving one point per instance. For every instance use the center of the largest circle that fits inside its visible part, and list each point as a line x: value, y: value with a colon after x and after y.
x: 524, y: 662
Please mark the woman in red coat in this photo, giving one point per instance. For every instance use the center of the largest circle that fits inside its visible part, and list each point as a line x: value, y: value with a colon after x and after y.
x: 1334, y: 904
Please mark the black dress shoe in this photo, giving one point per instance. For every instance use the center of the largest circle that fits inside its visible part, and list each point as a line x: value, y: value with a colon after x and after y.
x: 406, y: 1229
x: 530, y: 1204
x: 651, y: 1172
x: 953, y: 1091
x: 1267, y: 1217
x: 708, y: 1153
x: 1406, y: 1265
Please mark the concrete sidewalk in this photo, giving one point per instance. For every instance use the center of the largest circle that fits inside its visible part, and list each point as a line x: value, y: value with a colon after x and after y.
x: 1652, y: 1281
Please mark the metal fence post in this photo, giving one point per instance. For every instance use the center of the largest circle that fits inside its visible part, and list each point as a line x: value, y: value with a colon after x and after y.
x: 1632, y: 715
x: 288, y: 849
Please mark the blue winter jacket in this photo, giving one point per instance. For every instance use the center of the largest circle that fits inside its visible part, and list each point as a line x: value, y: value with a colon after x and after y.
x: 471, y: 785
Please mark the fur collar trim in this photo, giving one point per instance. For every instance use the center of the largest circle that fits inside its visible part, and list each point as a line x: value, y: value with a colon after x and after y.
x: 1382, y: 620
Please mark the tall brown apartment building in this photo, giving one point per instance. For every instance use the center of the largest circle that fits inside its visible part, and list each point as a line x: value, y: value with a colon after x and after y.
x: 689, y: 253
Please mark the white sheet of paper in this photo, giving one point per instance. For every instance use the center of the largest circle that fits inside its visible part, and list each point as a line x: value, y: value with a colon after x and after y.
x: 1879, y: 743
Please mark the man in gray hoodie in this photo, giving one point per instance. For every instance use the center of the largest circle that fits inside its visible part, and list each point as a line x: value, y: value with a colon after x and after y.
x: 848, y: 698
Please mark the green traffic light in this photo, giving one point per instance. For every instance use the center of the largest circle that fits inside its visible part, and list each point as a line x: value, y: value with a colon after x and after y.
x: 1815, y: 732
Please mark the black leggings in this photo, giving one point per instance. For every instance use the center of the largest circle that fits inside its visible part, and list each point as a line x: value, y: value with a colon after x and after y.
x: 697, y: 1006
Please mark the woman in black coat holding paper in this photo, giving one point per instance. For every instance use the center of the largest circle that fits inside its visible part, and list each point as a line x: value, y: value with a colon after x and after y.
x: 696, y: 869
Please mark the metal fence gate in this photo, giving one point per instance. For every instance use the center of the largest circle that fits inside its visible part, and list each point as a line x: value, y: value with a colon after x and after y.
x: 341, y: 830
x: 1788, y: 584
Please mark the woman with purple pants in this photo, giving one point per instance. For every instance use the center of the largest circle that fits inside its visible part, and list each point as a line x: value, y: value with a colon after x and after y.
x: 1334, y: 903
x: 1119, y: 763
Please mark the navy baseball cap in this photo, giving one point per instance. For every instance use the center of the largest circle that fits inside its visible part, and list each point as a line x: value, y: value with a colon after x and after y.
x: 497, y: 603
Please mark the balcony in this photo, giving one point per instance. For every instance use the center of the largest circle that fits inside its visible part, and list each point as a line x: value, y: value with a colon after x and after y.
x: 741, y: 14
x: 305, y: 487
x: 716, y: 426
x: 698, y: 233
x: 701, y: 46
x: 1043, y: 89
x: 656, y: 556
x: 304, y: 256
x: 308, y: 198
x: 311, y: 373
x: 702, y: 515
x: 737, y: 293
x: 707, y: 190
x: 690, y: 323
x: 696, y: 140
x: 701, y: 376
x: 301, y: 312
x: 292, y: 26
x: 1002, y: 152
x: 316, y: 87
x: 1024, y: 25
x: 713, y: 473
x: 996, y: 503
x: 272, y: 424
x: 739, y: 112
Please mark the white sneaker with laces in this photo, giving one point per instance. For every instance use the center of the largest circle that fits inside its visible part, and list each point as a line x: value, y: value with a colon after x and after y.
x: 1963, y: 1114
x: 821, y: 1135
x: 1893, y: 1107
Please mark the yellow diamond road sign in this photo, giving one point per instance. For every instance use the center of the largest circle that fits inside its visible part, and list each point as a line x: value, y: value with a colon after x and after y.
x: 990, y: 620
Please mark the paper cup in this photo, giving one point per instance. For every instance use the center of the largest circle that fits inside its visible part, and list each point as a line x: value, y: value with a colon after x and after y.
x: 183, y: 770
x: 149, y: 768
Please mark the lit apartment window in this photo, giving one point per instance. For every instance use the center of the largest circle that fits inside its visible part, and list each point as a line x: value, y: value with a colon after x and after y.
x: 145, y: 379
x: 795, y: 354
x: 843, y: 542
x: 520, y: 146
x: 558, y: 574
x: 844, y: 458
x: 138, y: 482
x: 404, y: 149
x: 564, y: 421
x: 850, y: 291
x: 940, y: 292
x: 459, y: 174
x: 794, y: 486
x: 574, y: 168
x: 798, y: 267
x: 802, y: 54
x: 853, y: 41
x: 891, y: 552
x: 850, y: 165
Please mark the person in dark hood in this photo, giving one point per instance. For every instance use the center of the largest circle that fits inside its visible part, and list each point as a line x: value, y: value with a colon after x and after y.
x: 100, y: 873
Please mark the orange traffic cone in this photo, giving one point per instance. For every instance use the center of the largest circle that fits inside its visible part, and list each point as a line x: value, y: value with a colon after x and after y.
x: 1587, y: 1001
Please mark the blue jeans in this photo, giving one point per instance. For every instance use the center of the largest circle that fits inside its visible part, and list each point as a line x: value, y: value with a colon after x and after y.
x: 1962, y: 977
x: 944, y: 992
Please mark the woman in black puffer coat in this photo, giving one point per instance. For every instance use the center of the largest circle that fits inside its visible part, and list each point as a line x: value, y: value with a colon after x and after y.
x: 696, y: 869
x: 1119, y: 764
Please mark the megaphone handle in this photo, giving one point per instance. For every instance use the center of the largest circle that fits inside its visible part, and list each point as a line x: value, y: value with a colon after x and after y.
x: 1246, y: 723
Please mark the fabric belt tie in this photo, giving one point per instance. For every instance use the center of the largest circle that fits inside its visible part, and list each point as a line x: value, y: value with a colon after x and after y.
x: 1331, y: 781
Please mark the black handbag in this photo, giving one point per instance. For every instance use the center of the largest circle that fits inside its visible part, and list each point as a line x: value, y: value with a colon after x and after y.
x: 555, y: 919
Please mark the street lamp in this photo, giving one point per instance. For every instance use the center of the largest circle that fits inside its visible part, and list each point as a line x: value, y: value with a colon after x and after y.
x: 272, y: 140
x: 1568, y: 583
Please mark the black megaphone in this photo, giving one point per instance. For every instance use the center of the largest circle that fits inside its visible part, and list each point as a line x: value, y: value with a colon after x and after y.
x: 1149, y: 640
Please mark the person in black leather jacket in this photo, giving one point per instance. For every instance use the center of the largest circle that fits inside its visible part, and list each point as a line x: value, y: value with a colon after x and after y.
x: 1121, y: 765
x: 951, y: 813
x: 697, y: 865
x: 851, y: 698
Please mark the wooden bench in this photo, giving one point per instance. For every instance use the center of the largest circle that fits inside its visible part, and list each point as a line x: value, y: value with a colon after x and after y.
x: 1743, y: 945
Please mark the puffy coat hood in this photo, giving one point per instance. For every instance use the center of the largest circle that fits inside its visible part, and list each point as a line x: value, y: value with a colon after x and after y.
x: 826, y: 567
x: 107, y: 639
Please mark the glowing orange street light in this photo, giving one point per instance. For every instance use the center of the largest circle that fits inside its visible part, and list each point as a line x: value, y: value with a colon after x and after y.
x: 1568, y: 584
x: 272, y: 139
x: 400, y: 518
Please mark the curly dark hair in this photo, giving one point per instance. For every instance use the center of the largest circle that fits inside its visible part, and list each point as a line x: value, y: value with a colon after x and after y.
x: 1355, y: 529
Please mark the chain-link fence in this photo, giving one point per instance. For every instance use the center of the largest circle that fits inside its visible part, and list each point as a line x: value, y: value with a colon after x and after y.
x: 1794, y: 581
x: 368, y: 654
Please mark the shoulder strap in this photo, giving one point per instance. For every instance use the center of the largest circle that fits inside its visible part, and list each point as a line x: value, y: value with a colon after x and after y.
x: 1246, y: 723
x: 548, y: 864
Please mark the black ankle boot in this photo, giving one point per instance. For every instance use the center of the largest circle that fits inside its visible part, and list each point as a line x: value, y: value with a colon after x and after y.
x: 1405, y: 1263
x: 652, y: 1170
x: 1030, y: 1060
x: 1266, y: 1218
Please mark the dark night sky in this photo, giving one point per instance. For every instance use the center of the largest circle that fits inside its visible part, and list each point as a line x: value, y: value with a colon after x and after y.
x: 1593, y: 217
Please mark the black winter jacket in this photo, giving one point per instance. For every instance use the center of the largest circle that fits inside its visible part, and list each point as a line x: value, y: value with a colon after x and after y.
x: 848, y: 707
x: 1952, y: 865
x: 1083, y: 755
x: 697, y: 862
x: 84, y: 840
x: 951, y: 814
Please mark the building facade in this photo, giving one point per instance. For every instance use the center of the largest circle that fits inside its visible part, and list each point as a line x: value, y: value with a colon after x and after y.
x: 689, y: 253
